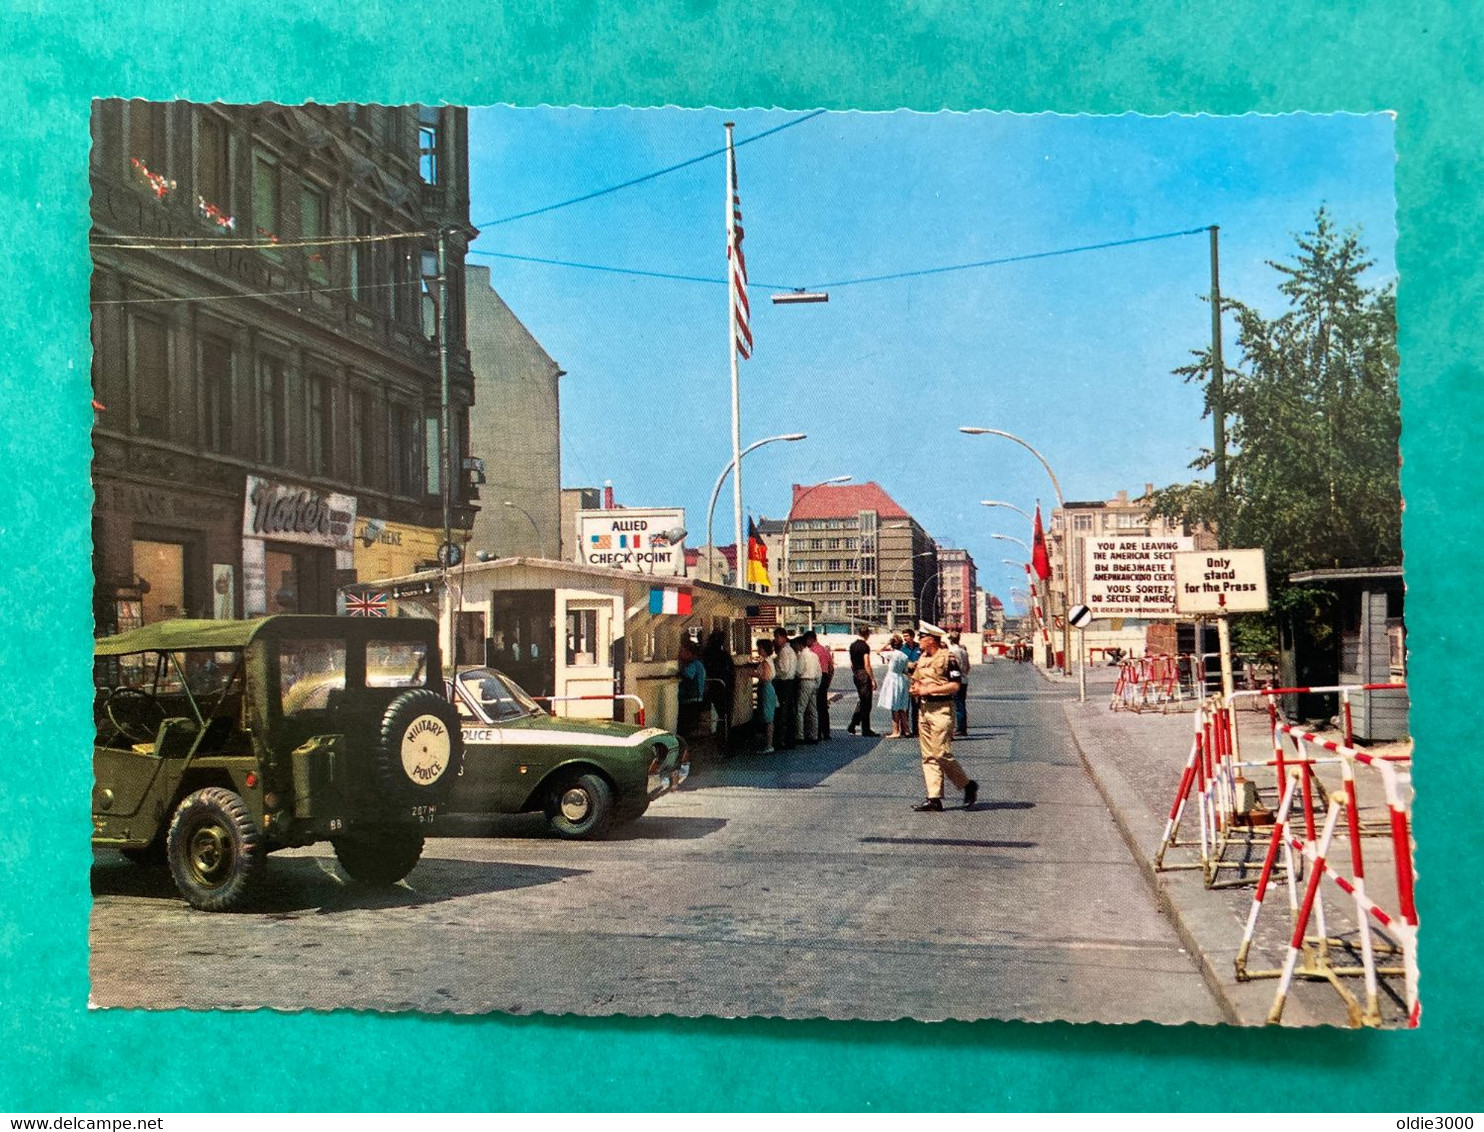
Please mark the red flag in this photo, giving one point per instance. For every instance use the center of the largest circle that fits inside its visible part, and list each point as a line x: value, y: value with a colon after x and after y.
x: 1040, y: 559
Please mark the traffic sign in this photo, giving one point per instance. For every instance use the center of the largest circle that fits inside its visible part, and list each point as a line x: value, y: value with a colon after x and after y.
x: 450, y: 554
x: 1221, y: 581
x: 1081, y: 617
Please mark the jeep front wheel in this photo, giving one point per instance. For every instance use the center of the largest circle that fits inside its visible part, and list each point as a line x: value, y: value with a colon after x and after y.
x: 215, y: 850
x: 581, y: 806
x: 380, y: 856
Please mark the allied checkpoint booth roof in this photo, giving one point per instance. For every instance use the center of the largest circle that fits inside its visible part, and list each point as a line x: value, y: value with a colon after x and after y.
x: 579, y: 635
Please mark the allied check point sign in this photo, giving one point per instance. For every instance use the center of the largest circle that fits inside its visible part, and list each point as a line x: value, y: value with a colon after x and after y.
x: 1221, y: 581
x: 1131, y: 577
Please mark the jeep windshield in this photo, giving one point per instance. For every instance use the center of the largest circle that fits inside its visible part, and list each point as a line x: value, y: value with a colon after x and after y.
x: 135, y: 692
x: 482, y: 694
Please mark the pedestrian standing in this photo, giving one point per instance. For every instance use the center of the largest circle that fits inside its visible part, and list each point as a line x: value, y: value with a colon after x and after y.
x: 894, y: 682
x: 864, y: 677
x: 692, y: 691
x: 913, y: 652
x: 767, y: 695
x: 826, y: 675
x: 786, y: 683
x: 806, y: 710
x: 721, y: 683
x: 961, y: 697
x: 936, y: 681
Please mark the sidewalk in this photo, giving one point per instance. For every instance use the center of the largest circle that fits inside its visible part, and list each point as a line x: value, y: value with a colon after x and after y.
x: 1135, y: 759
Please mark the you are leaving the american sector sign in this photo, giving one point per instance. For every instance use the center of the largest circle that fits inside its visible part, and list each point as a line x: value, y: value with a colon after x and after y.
x: 1221, y: 581
x: 1131, y: 577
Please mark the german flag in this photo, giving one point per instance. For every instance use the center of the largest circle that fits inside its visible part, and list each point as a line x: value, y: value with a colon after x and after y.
x: 757, y: 558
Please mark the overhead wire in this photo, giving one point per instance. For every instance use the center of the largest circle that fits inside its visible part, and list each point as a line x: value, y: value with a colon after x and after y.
x: 214, y: 243
x: 648, y: 176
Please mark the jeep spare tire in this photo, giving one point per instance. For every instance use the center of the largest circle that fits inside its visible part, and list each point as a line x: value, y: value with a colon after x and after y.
x: 419, y: 748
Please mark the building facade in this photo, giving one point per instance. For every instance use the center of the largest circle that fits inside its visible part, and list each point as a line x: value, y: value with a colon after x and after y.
x: 265, y: 344
x: 858, y: 556
x: 515, y: 428
x: 573, y: 500
x: 1119, y: 516
x: 958, y: 581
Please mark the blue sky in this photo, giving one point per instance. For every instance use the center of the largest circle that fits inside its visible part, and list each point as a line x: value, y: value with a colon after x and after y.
x: 1073, y: 353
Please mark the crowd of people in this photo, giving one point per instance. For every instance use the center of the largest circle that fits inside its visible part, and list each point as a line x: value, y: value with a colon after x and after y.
x: 923, y: 685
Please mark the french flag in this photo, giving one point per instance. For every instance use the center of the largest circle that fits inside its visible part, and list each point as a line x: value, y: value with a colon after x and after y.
x: 668, y: 599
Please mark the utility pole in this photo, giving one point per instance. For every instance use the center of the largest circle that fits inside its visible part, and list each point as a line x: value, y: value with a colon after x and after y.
x: 446, y: 425
x: 732, y: 355
x: 1218, y: 392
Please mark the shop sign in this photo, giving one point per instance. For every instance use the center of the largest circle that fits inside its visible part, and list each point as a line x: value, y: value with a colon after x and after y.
x: 1131, y: 577
x: 283, y: 512
x: 633, y: 538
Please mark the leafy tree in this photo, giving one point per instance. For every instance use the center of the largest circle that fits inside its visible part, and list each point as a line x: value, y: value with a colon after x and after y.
x: 1314, y: 422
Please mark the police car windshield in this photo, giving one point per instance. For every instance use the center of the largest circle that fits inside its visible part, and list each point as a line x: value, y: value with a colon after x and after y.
x: 495, y: 695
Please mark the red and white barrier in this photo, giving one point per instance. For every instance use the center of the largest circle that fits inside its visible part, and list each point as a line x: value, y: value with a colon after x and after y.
x: 1316, y: 952
x: 625, y: 697
x: 1148, y: 682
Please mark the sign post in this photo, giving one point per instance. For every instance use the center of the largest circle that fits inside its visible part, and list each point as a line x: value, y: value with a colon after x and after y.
x: 1222, y: 582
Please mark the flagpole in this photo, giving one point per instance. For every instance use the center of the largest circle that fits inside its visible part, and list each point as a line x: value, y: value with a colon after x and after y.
x: 732, y: 357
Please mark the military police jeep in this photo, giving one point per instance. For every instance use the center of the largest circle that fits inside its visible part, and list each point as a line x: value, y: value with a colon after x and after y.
x: 220, y: 741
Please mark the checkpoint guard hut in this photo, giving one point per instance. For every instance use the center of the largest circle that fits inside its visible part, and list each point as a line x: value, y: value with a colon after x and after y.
x: 1367, y: 644
x: 582, y: 637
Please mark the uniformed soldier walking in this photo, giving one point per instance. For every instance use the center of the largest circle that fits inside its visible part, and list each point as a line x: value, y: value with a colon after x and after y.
x: 936, y: 682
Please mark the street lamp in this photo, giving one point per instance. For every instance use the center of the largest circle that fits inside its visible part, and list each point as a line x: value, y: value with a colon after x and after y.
x: 891, y: 613
x: 1001, y: 503
x: 721, y: 479
x: 1066, y: 543
x: 540, y: 538
x: 789, y: 518
x: 1018, y: 542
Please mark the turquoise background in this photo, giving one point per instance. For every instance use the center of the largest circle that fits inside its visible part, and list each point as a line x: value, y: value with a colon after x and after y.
x: 1155, y: 57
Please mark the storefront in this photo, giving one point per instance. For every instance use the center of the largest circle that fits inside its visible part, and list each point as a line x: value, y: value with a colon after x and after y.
x: 384, y: 549
x: 566, y: 630
x: 161, y: 553
x: 297, y: 547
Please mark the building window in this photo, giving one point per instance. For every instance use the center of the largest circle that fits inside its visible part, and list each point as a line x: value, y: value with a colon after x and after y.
x: 272, y: 412
x: 213, y: 169
x: 162, y: 565
x: 432, y: 449
x: 427, y: 144
x: 832, y: 586
x: 363, y: 256
x: 147, y: 135
x: 321, y: 433
x: 834, y: 564
x: 1081, y: 522
x: 406, y: 451
x: 314, y: 222
x: 218, y: 392
x: 266, y: 216
x: 150, y: 365
x: 360, y: 438
x: 867, y: 586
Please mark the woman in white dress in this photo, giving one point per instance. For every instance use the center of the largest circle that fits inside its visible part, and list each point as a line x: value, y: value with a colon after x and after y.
x: 893, y: 692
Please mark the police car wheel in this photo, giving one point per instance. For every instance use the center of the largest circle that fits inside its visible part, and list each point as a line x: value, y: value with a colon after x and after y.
x: 580, y: 806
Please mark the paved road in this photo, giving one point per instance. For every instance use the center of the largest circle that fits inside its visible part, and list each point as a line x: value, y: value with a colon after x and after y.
x: 797, y: 884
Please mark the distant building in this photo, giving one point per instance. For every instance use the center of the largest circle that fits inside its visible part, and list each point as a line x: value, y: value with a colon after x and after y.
x: 1121, y: 516
x: 713, y: 564
x: 515, y: 427
x: 957, y: 582
x: 859, y: 556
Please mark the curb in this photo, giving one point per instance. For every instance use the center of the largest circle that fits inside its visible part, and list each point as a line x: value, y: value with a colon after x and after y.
x: 1190, y: 924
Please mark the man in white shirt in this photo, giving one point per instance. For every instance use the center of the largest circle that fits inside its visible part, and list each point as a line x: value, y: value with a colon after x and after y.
x: 786, y: 684
x: 961, y: 697
x: 806, y: 712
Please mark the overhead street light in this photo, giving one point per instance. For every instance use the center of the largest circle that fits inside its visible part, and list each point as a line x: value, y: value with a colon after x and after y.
x: 1018, y: 542
x: 1066, y: 545
x: 1002, y: 503
x: 799, y: 295
x: 540, y: 538
x: 716, y: 492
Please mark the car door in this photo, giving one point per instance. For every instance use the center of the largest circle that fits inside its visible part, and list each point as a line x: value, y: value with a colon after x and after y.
x: 498, y: 773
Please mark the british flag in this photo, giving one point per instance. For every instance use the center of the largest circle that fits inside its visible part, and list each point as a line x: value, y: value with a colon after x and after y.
x: 372, y: 603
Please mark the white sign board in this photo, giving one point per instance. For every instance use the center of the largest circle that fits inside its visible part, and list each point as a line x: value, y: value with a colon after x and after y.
x: 1131, y: 577
x: 287, y: 512
x: 632, y: 538
x: 1221, y: 581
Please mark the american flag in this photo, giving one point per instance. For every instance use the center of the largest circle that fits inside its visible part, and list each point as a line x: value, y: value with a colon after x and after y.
x: 369, y: 604
x: 739, y: 267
